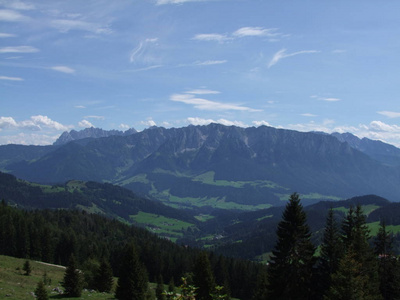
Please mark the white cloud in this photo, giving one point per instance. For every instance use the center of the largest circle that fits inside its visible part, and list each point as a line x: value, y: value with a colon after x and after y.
x: 19, y: 49
x: 148, y: 122
x: 11, y: 16
x: 200, y: 121
x: 95, y: 117
x: 308, y: 115
x: 261, y: 123
x: 282, y: 54
x: 6, y: 35
x: 140, y: 53
x: 35, y: 123
x: 7, y: 122
x: 210, y: 62
x: 204, y: 104
x: 63, y: 69
x: 390, y: 114
x: 124, y: 126
x: 202, y: 92
x: 80, y: 106
x: 330, y: 99
x: 68, y: 25
x: 85, y: 124
x: 11, y: 78
x: 211, y: 37
x: 255, y: 31
x: 18, y: 5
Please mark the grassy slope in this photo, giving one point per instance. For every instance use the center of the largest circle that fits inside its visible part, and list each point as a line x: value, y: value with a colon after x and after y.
x: 14, y: 283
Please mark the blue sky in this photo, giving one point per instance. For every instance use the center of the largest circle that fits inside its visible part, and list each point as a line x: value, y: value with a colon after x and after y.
x: 303, y: 65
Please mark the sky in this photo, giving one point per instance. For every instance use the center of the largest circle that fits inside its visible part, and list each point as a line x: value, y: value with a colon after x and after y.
x: 331, y: 66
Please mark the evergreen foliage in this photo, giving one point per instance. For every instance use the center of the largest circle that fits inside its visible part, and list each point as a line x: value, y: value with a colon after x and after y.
x: 27, y: 268
x: 291, y: 267
x: 203, y: 277
x: 40, y: 291
x: 388, y: 264
x: 132, y: 281
x: 104, y: 278
x: 73, y: 281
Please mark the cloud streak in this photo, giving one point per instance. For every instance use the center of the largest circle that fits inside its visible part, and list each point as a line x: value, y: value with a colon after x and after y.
x: 281, y: 54
x: 390, y: 114
x: 11, y: 78
x: 19, y: 49
x: 63, y: 69
x: 205, y: 104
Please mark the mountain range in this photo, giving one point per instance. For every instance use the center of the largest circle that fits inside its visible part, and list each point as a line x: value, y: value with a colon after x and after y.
x: 216, y: 166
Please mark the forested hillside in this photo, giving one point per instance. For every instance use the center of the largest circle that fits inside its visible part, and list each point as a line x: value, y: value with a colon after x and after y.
x: 53, y: 235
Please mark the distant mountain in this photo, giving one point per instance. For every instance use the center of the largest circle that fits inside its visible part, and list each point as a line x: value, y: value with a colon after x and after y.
x: 91, y: 132
x: 380, y: 151
x: 217, y: 166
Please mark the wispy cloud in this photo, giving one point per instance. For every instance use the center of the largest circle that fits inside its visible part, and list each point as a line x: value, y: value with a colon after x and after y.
x: 281, y: 54
x: 95, y: 117
x: 212, y: 37
x: 66, y: 25
x: 210, y: 62
x: 11, y: 78
x: 327, y: 99
x: 205, y: 104
x: 63, y: 69
x: 255, y: 31
x: 18, y: 5
x: 6, y: 35
x: 149, y: 122
x: 7, y: 15
x: 240, y: 33
x: 261, y: 123
x: 203, y: 92
x: 390, y: 114
x: 308, y: 115
x: 19, y: 49
x: 140, y: 53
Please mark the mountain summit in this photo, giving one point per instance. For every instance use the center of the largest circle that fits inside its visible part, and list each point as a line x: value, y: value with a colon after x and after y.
x: 218, y: 166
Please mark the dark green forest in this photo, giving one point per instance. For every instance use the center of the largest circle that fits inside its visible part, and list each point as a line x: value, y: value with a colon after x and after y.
x: 54, y: 235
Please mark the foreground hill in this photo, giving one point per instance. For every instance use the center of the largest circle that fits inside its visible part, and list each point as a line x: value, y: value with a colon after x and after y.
x: 103, y: 199
x: 216, y: 166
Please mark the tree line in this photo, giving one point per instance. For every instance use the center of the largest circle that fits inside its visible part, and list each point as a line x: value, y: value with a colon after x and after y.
x: 350, y: 264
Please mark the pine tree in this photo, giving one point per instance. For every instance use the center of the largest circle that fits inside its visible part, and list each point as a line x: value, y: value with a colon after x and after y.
x: 27, y: 268
x: 104, y: 277
x: 73, y: 281
x: 40, y: 292
x: 388, y: 264
x: 291, y: 266
x: 160, y: 295
x: 357, y: 275
x: 203, y: 277
x: 132, y: 281
x: 331, y: 253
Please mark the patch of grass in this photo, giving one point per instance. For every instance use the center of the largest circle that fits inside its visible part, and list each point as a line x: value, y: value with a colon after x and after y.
x: 204, y: 218
x: 18, y: 286
x: 162, y: 225
x: 374, y: 228
x: 310, y: 196
x: 265, y: 217
x: 188, y: 202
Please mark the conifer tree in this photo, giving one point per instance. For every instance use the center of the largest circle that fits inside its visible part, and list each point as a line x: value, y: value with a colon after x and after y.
x: 40, y: 291
x: 291, y: 266
x: 388, y: 264
x: 73, y: 281
x: 331, y: 253
x: 104, y: 278
x: 357, y: 274
x: 27, y: 268
x: 203, y: 277
x: 132, y: 281
x: 160, y: 295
